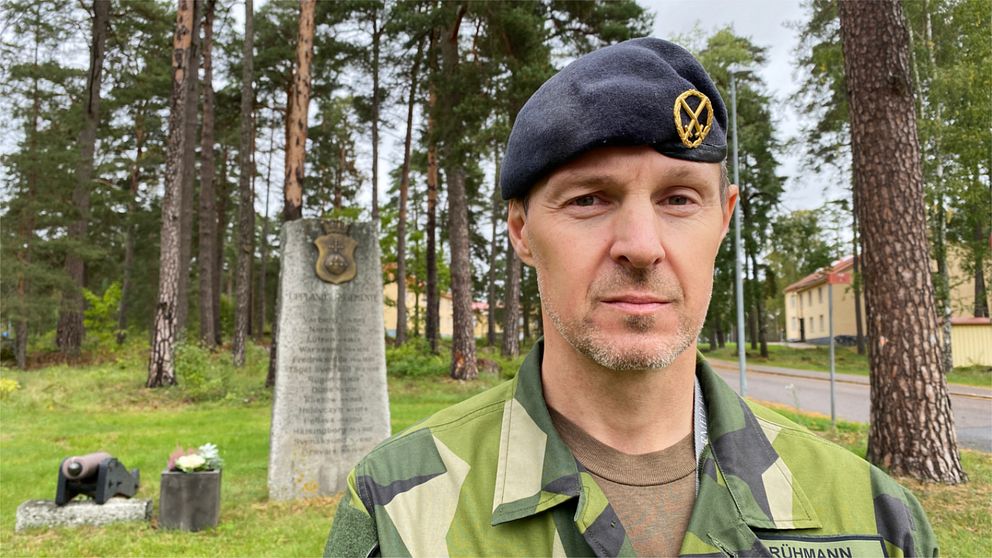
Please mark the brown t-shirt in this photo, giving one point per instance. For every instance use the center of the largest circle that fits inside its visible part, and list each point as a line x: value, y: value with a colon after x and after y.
x: 652, y: 493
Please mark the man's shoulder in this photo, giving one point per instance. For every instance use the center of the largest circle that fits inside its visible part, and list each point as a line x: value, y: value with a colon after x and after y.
x: 844, y: 488
x: 795, y: 442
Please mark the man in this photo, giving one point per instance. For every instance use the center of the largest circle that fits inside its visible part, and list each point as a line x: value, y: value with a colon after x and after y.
x: 616, y: 438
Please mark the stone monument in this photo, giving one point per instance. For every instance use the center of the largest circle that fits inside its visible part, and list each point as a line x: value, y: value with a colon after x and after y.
x: 330, y: 403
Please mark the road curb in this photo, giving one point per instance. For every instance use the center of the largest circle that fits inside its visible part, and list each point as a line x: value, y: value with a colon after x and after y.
x: 958, y: 390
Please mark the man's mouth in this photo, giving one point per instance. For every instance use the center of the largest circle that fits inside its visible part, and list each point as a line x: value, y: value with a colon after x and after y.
x: 635, y: 303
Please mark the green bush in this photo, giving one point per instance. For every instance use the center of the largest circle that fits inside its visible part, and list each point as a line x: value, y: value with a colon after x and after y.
x: 200, y: 376
x: 100, y: 317
x: 414, y: 359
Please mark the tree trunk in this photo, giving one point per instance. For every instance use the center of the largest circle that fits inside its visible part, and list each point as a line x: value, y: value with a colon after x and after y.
x: 296, y: 140
x: 189, y: 171
x: 401, y: 318
x: 432, y: 327
x: 511, y: 303
x: 208, y: 212
x: 493, y: 254
x: 759, y: 310
x: 463, y: 360
x: 912, y: 426
x: 25, y: 235
x: 132, y: 203
x: 246, y: 205
x: 377, y: 30
x: 263, y: 264
x: 856, y: 284
x: 297, y: 114
x: 69, y: 335
x: 981, y: 294
x: 752, y: 318
x: 161, y: 367
x: 223, y: 196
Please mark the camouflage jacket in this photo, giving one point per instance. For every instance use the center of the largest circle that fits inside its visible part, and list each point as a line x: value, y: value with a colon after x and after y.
x: 490, y: 476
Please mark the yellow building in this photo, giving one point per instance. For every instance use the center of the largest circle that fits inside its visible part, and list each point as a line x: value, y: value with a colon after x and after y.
x: 446, y: 312
x: 807, y: 313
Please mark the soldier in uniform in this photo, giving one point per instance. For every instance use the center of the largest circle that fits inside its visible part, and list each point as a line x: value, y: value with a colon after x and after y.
x: 615, y: 437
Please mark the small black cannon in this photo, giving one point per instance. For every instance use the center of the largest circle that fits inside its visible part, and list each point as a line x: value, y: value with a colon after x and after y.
x: 98, y: 475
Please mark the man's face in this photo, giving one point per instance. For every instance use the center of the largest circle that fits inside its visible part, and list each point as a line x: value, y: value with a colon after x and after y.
x: 624, y: 240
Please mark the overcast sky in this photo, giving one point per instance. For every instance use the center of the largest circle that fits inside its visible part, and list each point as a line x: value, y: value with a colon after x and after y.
x: 765, y: 23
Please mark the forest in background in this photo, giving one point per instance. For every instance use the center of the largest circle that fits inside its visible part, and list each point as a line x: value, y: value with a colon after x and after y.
x: 91, y: 152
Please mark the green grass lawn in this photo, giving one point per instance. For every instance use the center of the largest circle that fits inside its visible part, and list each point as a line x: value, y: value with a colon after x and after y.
x: 847, y: 361
x: 60, y: 411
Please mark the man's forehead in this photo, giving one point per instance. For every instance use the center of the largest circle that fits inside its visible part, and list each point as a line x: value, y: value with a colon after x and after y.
x: 613, y: 166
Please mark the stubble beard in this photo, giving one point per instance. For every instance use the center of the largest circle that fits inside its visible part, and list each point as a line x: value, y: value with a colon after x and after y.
x: 586, y: 338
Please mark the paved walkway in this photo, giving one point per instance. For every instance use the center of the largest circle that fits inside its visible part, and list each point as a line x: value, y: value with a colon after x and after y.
x: 810, y: 391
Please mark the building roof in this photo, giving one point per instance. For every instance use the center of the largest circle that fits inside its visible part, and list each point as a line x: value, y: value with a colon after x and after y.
x: 819, y: 277
x: 970, y: 321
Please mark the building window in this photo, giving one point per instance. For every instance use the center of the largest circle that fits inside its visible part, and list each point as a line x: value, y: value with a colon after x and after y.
x: 819, y: 295
x: 809, y: 298
x: 792, y: 301
x: 809, y: 321
x: 821, y: 322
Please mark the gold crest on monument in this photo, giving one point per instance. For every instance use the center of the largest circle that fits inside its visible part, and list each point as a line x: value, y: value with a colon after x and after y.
x: 336, y: 253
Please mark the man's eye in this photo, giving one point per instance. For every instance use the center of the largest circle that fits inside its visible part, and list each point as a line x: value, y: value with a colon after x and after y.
x: 679, y: 200
x: 584, y: 201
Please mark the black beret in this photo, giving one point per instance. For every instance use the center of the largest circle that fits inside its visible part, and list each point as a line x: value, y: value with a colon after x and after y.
x: 639, y: 92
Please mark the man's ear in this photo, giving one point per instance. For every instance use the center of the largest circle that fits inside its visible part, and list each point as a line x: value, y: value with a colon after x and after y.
x: 516, y: 223
x: 733, y: 198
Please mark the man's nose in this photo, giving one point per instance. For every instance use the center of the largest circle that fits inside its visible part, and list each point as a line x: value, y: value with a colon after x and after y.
x: 636, y: 236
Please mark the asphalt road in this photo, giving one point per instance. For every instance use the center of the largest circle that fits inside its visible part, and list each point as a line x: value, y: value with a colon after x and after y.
x: 810, y: 391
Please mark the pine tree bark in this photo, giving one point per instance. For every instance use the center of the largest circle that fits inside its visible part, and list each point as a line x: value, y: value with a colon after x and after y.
x: 25, y: 232
x: 759, y: 310
x: 189, y: 172
x: 262, y: 302
x: 981, y: 293
x: 856, y: 284
x: 132, y: 203
x: 296, y: 141
x: 222, y: 197
x: 246, y: 203
x: 377, y: 30
x: 433, y: 319
x: 401, y: 317
x: 912, y: 426
x: 208, y: 212
x: 161, y: 365
x: 297, y: 114
x: 69, y: 333
x: 511, y: 303
x: 493, y: 255
x: 463, y: 359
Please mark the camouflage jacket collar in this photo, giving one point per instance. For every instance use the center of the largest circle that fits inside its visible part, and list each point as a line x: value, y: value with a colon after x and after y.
x: 739, y: 453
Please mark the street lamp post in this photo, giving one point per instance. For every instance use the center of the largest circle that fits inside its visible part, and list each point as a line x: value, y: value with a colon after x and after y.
x: 733, y: 69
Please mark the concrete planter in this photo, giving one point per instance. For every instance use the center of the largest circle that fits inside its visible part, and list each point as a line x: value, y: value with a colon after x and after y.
x: 189, y: 501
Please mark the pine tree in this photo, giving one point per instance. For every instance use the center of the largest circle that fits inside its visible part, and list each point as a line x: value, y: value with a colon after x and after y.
x: 246, y: 205
x: 912, y: 426
x: 165, y: 330
x: 70, y: 328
